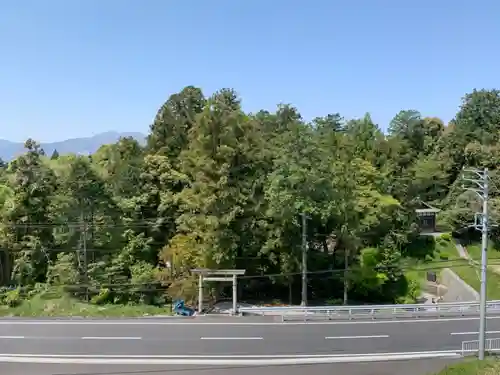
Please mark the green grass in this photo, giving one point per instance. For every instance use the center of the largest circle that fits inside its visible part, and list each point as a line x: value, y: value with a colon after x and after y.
x: 473, y: 367
x: 444, y: 254
x: 469, y: 274
x: 66, y: 306
x: 449, y: 250
x: 475, y: 252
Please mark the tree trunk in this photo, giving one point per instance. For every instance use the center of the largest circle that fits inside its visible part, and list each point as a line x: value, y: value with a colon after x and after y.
x: 346, y: 270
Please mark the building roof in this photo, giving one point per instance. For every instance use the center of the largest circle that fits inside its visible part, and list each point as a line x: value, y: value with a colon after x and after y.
x: 426, y: 209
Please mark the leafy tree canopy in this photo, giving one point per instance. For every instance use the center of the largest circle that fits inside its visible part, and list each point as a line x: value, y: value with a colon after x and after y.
x: 218, y: 187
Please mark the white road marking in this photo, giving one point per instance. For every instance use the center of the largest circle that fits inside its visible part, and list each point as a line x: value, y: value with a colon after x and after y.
x: 219, y: 356
x: 38, y: 338
x: 110, y: 338
x: 148, y: 322
x: 470, y: 333
x: 221, y: 362
x: 356, y: 337
x: 231, y: 338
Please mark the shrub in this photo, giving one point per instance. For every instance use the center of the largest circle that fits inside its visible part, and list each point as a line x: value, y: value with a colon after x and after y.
x: 446, y: 237
x: 102, y: 298
x: 12, y: 298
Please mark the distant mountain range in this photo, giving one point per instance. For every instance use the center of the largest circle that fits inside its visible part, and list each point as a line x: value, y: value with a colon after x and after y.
x: 9, y: 150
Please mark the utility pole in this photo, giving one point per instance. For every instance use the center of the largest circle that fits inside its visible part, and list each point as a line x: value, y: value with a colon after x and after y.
x: 83, y: 237
x: 346, y: 271
x: 304, y: 259
x: 481, y: 189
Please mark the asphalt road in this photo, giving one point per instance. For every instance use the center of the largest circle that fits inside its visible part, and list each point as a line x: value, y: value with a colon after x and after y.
x: 415, y: 367
x: 233, y: 337
x: 236, y: 346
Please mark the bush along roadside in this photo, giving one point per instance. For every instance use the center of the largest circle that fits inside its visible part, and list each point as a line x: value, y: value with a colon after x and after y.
x: 489, y: 366
x: 55, y: 301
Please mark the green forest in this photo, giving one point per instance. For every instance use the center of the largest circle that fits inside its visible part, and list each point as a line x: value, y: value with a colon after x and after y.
x: 216, y: 187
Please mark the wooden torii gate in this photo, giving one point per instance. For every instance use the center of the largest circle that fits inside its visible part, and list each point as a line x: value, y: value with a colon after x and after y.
x: 205, y: 274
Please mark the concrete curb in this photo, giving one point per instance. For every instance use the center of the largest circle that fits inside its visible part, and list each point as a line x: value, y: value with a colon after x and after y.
x: 234, y: 361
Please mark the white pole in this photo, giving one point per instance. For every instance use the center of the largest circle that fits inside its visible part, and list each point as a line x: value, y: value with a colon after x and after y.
x: 484, y: 265
x: 304, y: 260
x: 235, y: 295
x: 200, y: 293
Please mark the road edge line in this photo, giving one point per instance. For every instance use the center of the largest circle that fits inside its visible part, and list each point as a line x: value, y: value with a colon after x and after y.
x: 224, y: 362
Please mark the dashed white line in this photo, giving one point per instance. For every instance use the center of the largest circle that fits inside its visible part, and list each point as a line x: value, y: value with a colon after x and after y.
x: 12, y: 337
x: 231, y: 338
x: 110, y: 338
x: 356, y: 337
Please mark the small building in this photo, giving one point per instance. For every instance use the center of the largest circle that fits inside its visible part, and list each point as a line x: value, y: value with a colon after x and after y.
x: 427, y: 217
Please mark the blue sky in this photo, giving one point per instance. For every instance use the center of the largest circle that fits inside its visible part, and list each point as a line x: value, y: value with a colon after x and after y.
x: 72, y: 68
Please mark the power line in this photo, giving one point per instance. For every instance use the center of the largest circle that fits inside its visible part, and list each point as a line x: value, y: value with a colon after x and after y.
x: 156, y: 283
x: 403, y: 266
x: 90, y: 224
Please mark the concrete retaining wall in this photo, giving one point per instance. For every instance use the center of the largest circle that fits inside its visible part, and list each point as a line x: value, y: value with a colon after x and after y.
x: 458, y: 290
x: 436, y: 290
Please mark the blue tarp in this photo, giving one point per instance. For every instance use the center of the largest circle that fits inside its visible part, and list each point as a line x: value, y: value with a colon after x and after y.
x: 179, y: 308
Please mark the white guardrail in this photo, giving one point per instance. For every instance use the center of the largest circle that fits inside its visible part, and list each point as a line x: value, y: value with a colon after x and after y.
x: 472, y: 346
x: 309, y: 313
